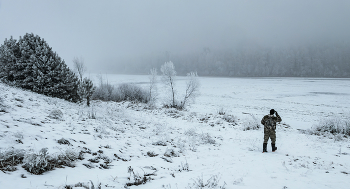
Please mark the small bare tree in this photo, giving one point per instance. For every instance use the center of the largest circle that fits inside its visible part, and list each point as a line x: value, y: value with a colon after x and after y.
x: 153, y: 86
x: 79, y: 67
x: 168, y: 78
x: 192, y: 89
x: 86, y: 87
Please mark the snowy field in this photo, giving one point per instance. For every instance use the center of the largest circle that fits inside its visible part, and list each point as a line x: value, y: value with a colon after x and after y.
x: 301, y: 101
x: 183, y: 149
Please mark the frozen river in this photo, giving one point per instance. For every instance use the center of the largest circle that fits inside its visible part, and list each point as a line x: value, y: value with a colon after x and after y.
x: 301, y: 102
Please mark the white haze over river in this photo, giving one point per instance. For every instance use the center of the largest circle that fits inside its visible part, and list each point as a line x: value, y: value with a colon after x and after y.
x: 301, y: 102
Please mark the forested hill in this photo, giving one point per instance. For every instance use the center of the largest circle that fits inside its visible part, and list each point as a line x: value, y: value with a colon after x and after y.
x: 297, y: 61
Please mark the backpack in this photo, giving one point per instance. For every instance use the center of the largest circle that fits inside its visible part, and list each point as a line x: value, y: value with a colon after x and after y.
x: 269, y: 123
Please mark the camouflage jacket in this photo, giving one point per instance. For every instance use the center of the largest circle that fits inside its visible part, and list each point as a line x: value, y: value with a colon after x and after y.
x: 275, y: 119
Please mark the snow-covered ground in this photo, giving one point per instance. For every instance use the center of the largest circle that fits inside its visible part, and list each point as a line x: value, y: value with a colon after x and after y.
x: 201, y: 143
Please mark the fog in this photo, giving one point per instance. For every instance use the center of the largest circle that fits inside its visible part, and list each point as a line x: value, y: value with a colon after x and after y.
x: 106, y: 32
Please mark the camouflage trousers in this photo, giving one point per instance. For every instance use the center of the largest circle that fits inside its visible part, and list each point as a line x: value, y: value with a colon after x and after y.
x: 270, y: 134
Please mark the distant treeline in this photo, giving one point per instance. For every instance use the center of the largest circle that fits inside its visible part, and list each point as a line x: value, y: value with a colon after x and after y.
x: 331, y: 60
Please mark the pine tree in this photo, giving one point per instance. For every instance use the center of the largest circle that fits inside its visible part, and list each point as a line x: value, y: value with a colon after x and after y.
x: 88, y: 90
x: 30, y: 63
x: 9, y: 52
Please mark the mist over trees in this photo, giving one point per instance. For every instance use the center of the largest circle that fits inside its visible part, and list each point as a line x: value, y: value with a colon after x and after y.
x: 314, y: 60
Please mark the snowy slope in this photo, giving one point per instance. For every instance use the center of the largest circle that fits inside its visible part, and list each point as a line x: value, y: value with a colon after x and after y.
x: 201, y: 145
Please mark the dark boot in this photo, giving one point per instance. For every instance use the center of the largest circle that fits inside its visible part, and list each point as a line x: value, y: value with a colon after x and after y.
x: 264, y: 147
x: 274, y: 148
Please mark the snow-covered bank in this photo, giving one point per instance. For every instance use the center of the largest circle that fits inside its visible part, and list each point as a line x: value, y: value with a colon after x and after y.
x: 187, y: 146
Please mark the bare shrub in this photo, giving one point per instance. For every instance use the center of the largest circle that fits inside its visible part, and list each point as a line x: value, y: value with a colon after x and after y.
x: 91, y: 114
x: 211, y: 183
x: 174, y: 113
x: 230, y: 118
x: 152, y: 154
x: 38, y: 163
x: 335, y: 125
x: 171, y: 153
x: 192, y: 90
x: 18, y: 135
x: 181, y: 145
x: 3, y: 107
x: 191, y: 132
x: 131, y: 92
x: 338, y: 137
x: 206, y: 138
x: 104, y: 92
x: 56, y: 114
x: 124, y: 92
x: 251, y: 123
x: 184, y: 167
x: 136, y: 179
x: 84, y: 185
x: 221, y: 111
x: 11, y: 158
x: 63, y: 141
x: 204, y: 118
x: 106, y: 161
x: 176, y: 104
x: 160, y: 143
x: 66, y: 158
x: 72, y: 154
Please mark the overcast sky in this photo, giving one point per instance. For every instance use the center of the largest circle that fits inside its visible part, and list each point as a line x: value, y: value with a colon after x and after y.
x: 101, y: 31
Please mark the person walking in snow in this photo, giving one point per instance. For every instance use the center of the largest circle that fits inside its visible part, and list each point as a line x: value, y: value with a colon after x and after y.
x: 269, y: 122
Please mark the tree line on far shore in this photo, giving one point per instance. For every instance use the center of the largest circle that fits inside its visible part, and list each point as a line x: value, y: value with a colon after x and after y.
x: 314, y: 60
